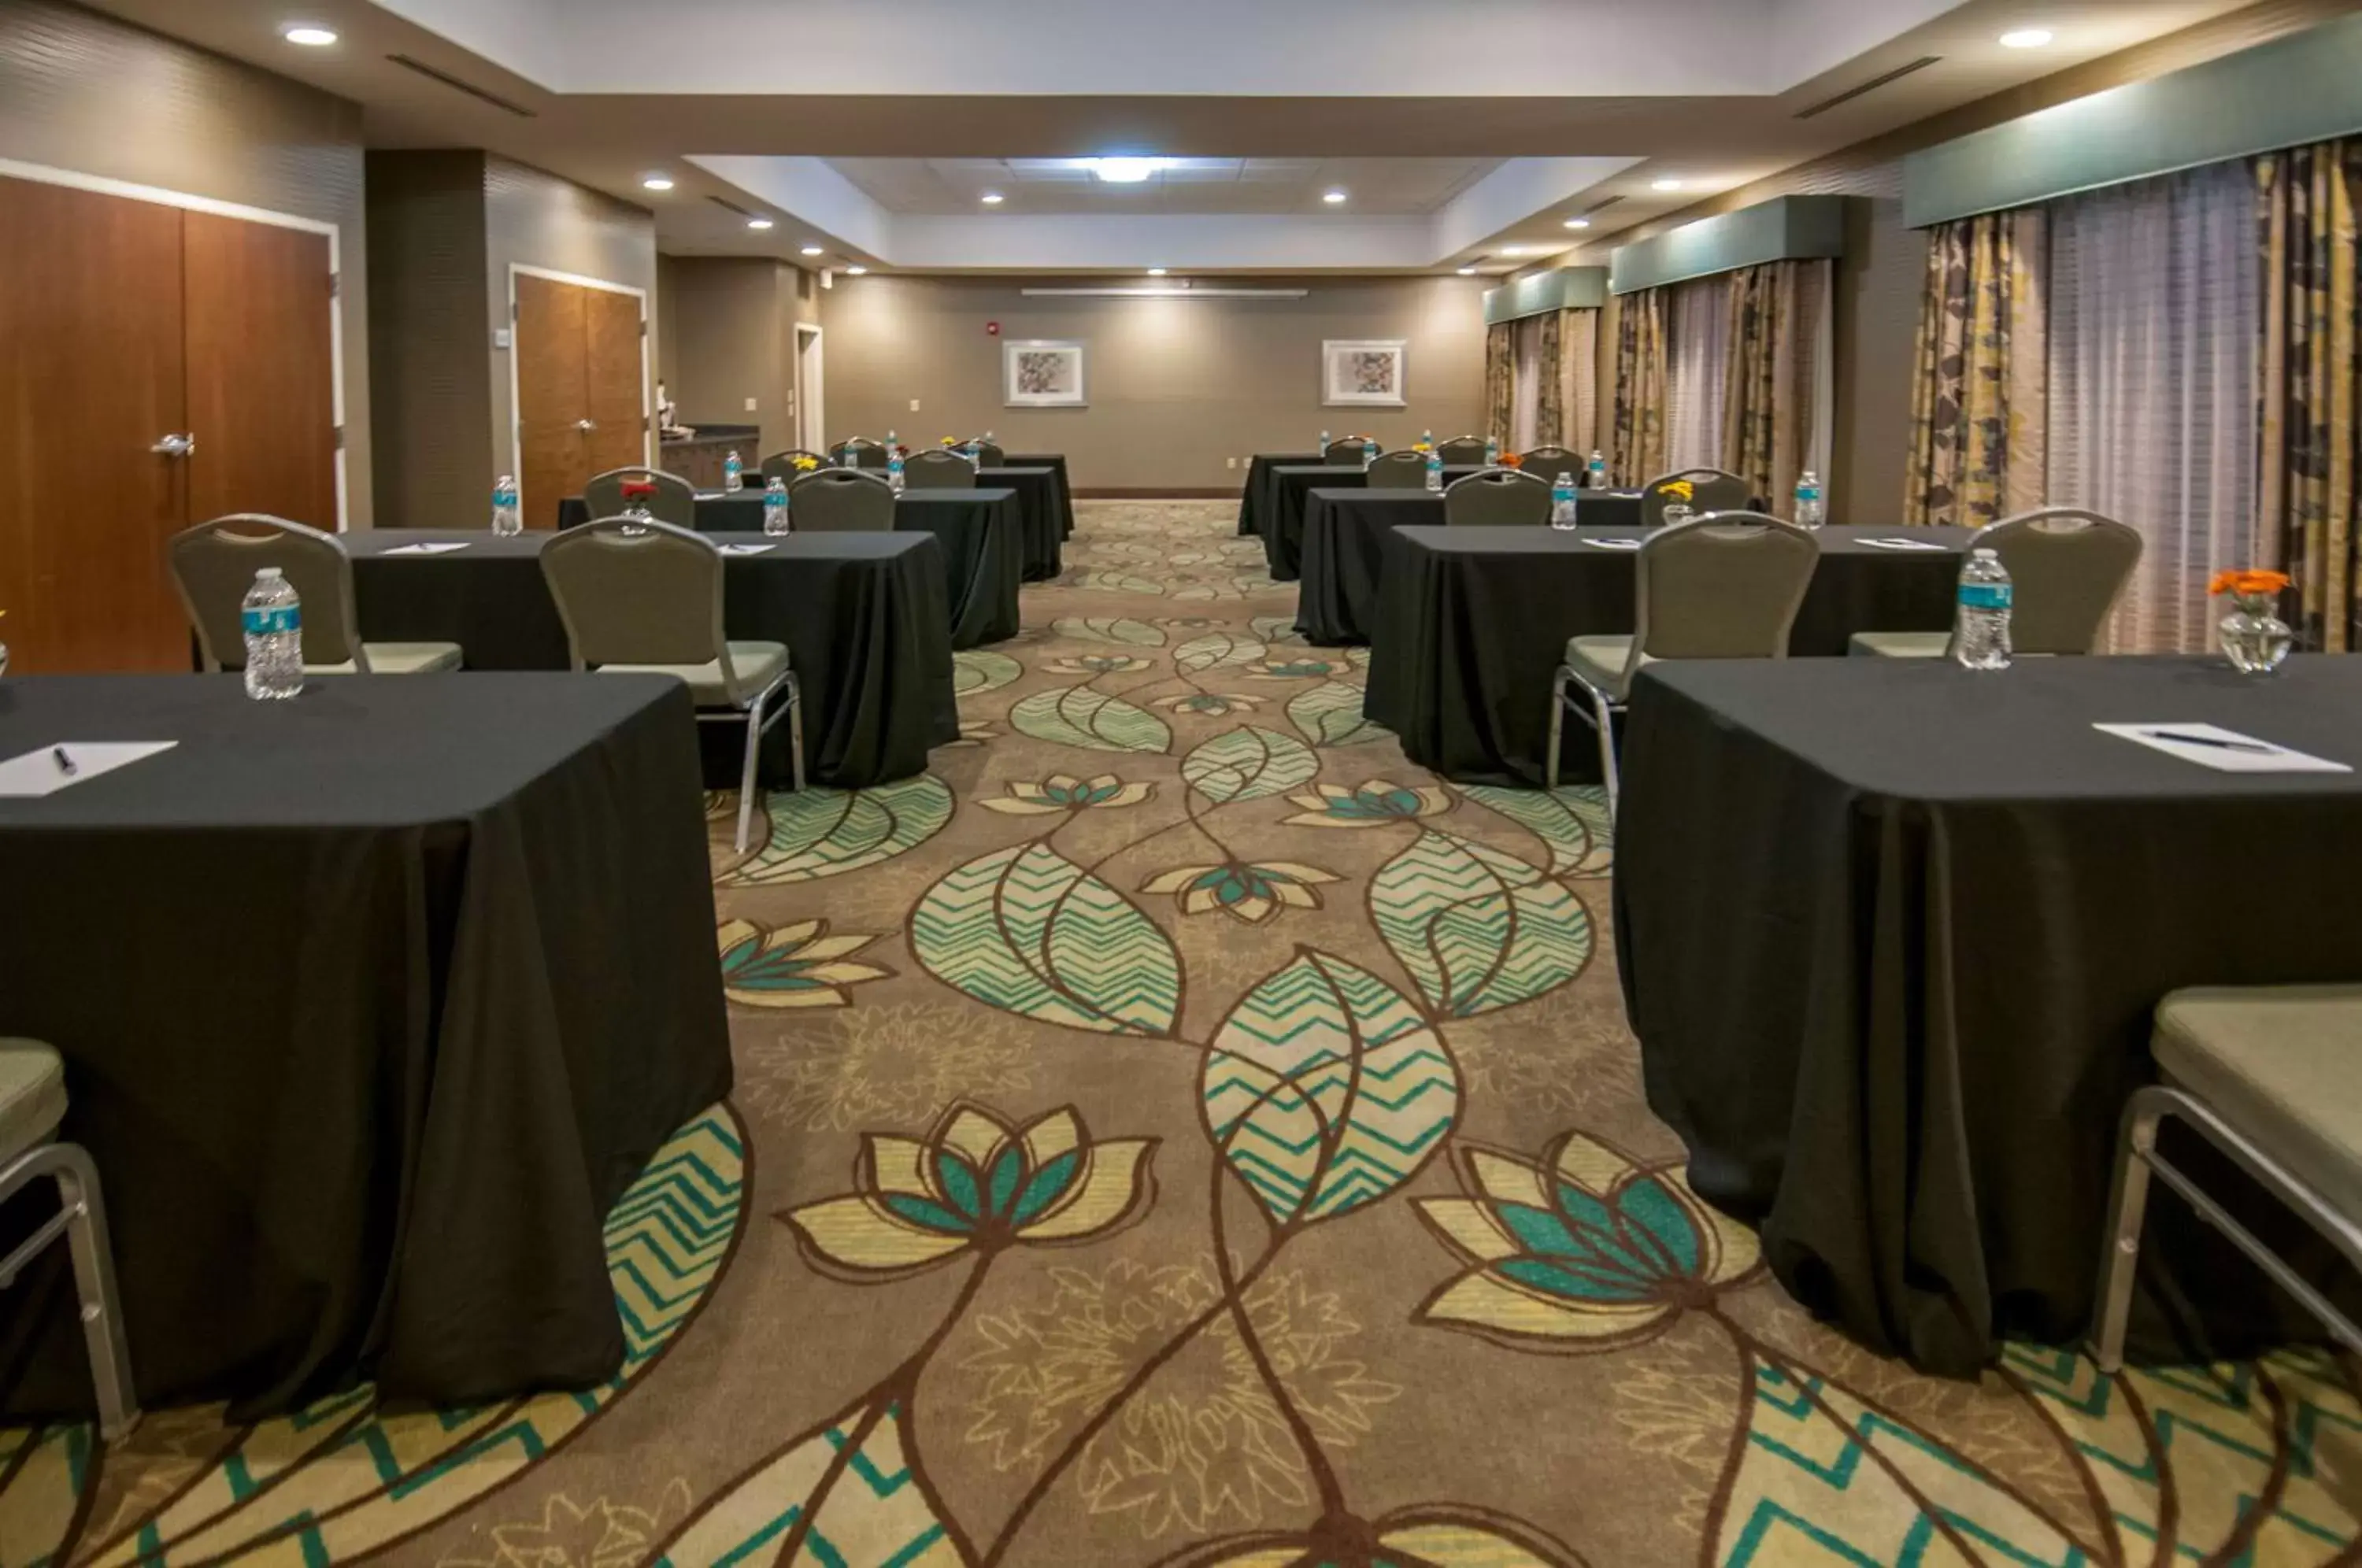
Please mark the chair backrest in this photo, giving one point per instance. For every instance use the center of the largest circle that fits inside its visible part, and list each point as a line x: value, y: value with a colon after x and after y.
x: 674, y: 501
x: 1461, y: 449
x: 1554, y: 459
x: 1497, y: 498
x: 214, y: 565
x: 1727, y: 587
x: 989, y: 454
x: 1711, y: 490
x: 1350, y: 450
x: 782, y: 465
x: 635, y: 593
x: 1405, y: 469
x: 2067, y: 568
x: 866, y: 454
x: 938, y: 468
x: 842, y: 501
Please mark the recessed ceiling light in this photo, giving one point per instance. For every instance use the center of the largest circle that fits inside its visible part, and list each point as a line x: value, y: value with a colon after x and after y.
x: 2025, y: 37
x: 307, y: 34
x: 1332, y: 197
x: 1125, y: 170
x: 1510, y: 250
x: 1156, y: 271
x: 1467, y: 272
x: 857, y: 272
x: 1664, y: 185
x: 759, y: 223
x: 1578, y: 223
x: 811, y: 251
x: 656, y: 181
x: 991, y: 198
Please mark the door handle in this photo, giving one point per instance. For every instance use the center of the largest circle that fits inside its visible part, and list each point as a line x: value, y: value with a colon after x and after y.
x: 586, y: 425
x: 175, y: 446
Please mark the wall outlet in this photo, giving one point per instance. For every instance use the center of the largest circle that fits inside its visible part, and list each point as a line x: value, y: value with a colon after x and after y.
x: 500, y: 338
x: 914, y: 405
x: 1229, y: 462
x: 750, y: 406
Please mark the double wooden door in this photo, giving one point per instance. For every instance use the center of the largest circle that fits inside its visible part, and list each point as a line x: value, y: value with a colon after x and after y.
x: 581, y: 408
x: 126, y: 329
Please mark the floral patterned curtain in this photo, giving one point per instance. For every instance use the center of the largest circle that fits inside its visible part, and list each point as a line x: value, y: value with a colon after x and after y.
x: 2310, y: 371
x: 1500, y: 382
x: 1981, y: 383
x: 1640, y: 357
x: 1777, y: 318
x: 1550, y: 401
x: 1579, y: 333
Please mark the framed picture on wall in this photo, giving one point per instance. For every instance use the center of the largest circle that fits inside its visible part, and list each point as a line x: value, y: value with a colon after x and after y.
x: 1041, y: 372
x: 1364, y: 372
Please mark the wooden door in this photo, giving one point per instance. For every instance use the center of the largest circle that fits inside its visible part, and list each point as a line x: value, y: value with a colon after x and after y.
x: 91, y: 377
x: 260, y: 371
x: 553, y: 395
x: 613, y: 373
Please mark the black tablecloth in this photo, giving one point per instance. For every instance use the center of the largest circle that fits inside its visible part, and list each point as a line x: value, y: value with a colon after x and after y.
x: 862, y: 615
x: 982, y: 532
x: 1254, y: 500
x: 372, y: 1003
x: 1292, y: 486
x: 1039, y: 493
x: 1891, y: 934
x: 1342, y: 557
x: 1472, y: 622
x: 1056, y: 463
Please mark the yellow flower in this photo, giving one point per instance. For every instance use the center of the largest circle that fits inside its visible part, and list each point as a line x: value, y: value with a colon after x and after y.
x: 1679, y: 489
x: 806, y: 465
x: 976, y: 1183
x: 1248, y: 893
x: 796, y: 965
x: 1060, y: 793
x: 1373, y: 804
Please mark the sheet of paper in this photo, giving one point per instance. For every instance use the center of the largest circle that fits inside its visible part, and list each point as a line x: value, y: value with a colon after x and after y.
x: 744, y: 550
x: 39, y: 773
x: 1903, y: 545
x: 436, y: 547
x: 1614, y: 543
x: 2225, y: 751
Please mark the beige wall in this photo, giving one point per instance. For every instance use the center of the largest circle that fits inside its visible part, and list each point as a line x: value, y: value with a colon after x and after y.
x: 81, y: 92
x: 727, y: 330
x: 1177, y: 387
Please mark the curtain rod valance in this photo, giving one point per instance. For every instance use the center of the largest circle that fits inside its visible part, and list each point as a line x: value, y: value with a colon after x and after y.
x: 1787, y: 229
x: 1561, y: 288
x: 2304, y: 88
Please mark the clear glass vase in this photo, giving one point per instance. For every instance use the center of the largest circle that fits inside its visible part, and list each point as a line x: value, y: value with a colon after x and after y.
x: 2255, y: 641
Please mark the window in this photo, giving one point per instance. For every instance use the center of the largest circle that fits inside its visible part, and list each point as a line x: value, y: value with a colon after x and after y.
x: 1698, y: 357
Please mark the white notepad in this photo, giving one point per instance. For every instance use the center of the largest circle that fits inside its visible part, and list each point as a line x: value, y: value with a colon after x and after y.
x: 1903, y: 545
x: 438, y: 548
x: 39, y: 773
x: 1614, y: 543
x: 744, y: 550
x: 2225, y: 751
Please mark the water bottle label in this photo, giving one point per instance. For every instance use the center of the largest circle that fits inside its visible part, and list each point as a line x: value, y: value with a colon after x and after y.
x: 1984, y: 595
x: 273, y: 620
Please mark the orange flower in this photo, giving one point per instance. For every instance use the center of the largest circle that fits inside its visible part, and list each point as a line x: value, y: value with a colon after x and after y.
x: 2243, y: 584
x: 1511, y: 460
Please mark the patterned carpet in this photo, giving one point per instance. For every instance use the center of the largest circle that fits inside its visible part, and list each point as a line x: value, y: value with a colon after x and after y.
x: 1178, y: 1132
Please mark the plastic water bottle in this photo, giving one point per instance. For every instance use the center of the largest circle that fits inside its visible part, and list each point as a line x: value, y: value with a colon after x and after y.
x: 775, y: 506
x: 274, y: 619
x: 1811, y: 509
x: 1594, y: 473
x: 893, y: 466
x: 1369, y: 452
x: 1434, y: 470
x: 1563, y: 499
x: 1324, y: 445
x: 1427, y: 439
x: 892, y: 446
x: 844, y: 457
x: 732, y: 473
x: 1980, y: 637
x: 975, y: 452
x: 1491, y: 451
x: 507, y: 517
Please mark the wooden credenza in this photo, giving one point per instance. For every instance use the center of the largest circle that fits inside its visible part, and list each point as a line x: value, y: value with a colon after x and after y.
x: 699, y: 460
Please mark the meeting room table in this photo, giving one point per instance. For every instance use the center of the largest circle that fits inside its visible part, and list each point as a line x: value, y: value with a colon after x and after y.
x: 1342, y: 559
x: 1891, y: 934
x: 372, y: 1002
x: 1062, y: 483
x: 1254, y: 496
x: 1473, y: 622
x: 982, y: 532
x: 863, y: 616
x: 1291, y: 489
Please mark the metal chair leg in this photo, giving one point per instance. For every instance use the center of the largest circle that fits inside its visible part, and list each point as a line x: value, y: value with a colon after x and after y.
x: 2120, y: 1245
x: 82, y: 1217
x: 746, y: 772
x: 796, y: 730
x: 1557, y: 725
x: 1604, y: 713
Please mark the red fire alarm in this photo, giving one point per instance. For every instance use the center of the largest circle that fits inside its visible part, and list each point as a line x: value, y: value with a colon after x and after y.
x: 992, y: 329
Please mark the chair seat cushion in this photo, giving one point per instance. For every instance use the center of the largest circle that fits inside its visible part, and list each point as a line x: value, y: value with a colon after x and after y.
x: 1899, y: 645
x: 32, y: 1095
x: 758, y: 664
x: 2283, y: 1065
x: 397, y: 658
x: 1601, y: 660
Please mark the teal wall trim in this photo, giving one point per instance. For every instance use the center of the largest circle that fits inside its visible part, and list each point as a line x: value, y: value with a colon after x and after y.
x: 1788, y: 228
x: 1561, y: 288
x: 2303, y: 88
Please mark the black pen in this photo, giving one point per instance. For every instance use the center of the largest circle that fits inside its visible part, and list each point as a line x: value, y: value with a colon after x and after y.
x: 65, y: 764
x: 2208, y: 740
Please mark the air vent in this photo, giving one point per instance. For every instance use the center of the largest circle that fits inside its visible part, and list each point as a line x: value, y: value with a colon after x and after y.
x: 1599, y: 207
x: 445, y: 77
x: 730, y: 207
x: 1873, y: 86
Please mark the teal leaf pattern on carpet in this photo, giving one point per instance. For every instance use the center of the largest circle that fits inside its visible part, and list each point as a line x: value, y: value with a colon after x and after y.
x: 874, y: 1513
x: 1573, y: 819
x: 1330, y: 714
x: 46, y: 1470
x: 818, y: 833
x: 1078, y: 715
x: 1248, y: 764
x: 1476, y: 929
x: 1029, y: 932
x: 1326, y: 1089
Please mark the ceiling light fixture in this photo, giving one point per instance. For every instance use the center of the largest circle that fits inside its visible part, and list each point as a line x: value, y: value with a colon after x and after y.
x: 1156, y: 271
x: 1467, y: 272
x: 655, y: 183
x: 1510, y: 250
x: 1332, y: 197
x: 759, y: 223
x: 1578, y: 223
x: 991, y: 198
x: 2025, y: 37
x: 308, y: 34
x: 811, y: 251
x: 857, y: 272
x: 1664, y: 185
x: 1125, y: 170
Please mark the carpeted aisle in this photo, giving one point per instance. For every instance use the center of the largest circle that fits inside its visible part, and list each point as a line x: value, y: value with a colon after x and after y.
x: 1177, y: 1131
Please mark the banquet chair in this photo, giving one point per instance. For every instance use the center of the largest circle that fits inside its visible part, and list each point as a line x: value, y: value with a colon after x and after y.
x: 1497, y: 498
x: 782, y: 465
x: 1711, y: 490
x: 938, y: 468
x: 1551, y: 459
x: 866, y: 454
x: 32, y: 1107
x: 1405, y: 469
x: 2067, y: 569
x: 2271, y: 1076
x: 842, y: 501
x: 213, y: 565
x: 1349, y: 450
x: 1461, y: 450
x: 638, y: 598
x: 1726, y: 587
x: 989, y: 454
x: 674, y: 501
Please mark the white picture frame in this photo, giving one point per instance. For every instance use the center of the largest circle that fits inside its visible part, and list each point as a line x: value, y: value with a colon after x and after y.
x: 1043, y: 372
x: 1364, y: 372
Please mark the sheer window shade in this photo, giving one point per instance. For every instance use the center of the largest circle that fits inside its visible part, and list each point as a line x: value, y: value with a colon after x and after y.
x: 1700, y: 334
x: 1524, y: 413
x: 2154, y: 313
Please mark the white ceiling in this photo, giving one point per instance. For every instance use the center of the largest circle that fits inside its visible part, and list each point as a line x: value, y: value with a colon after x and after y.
x: 1374, y: 187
